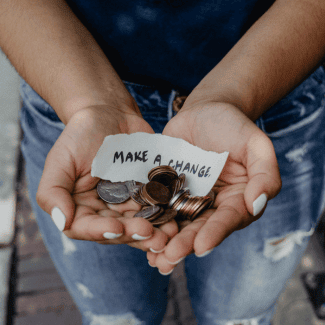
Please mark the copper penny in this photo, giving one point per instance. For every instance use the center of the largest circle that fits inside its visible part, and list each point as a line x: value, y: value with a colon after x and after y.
x: 212, y: 195
x: 173, y: 186
x: 162, y: 174
x: 156, y: 193
x: 206, y: 201
x: 164, y: 178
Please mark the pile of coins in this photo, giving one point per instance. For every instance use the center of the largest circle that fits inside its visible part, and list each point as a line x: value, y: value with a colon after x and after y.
x: 163, y: 198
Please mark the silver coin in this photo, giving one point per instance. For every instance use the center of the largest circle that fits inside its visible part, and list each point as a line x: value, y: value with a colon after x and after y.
x: 148, y: 212
x: 129, y: 184
x: 112, y: 192
x: 178, y: 194
x: 180, y: 206
x: 132, y: 186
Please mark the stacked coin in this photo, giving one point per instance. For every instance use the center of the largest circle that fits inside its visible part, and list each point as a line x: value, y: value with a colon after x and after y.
x: 189, y: 207
x: 157, y: 215
x: 155, y: 193
x: 162, y: 174
x: 164, y: 193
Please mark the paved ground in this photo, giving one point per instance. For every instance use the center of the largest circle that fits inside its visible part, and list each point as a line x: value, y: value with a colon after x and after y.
x: 9, y: 136
x: 5, y: 263
x: 294, y: 306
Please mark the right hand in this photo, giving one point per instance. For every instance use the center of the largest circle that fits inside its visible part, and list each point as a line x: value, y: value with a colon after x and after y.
x: 68, y: 187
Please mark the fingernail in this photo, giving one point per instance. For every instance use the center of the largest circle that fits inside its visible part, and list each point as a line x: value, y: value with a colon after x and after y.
x: 166, y: 273
x: 150, y: 264
x: 157, y: 251
x: 58, y: 218
x: 111, y: 235
x: 259, y: 204
x: 138, y: 237
x: 176, y: 261
x: 205, y: 253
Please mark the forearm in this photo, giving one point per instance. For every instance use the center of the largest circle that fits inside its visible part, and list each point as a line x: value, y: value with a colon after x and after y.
x: 58, y: 57
x: 274, y: 56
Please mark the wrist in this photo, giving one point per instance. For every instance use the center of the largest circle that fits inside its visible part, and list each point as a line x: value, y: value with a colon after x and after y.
x: 100, y: 105
x: 103, y: 120
x: 205, y: 98
x: 238, y: 95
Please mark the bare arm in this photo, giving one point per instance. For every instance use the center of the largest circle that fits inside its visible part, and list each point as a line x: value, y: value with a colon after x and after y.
x: 274, y: 56
x: 58, y: 57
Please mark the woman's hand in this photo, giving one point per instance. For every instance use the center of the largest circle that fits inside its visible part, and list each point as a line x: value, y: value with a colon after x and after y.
x: 250, y: 177
x: 67, y: 190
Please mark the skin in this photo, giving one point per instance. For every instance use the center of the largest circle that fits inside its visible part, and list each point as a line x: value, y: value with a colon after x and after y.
x: 69, y: 70
x: 251, y: 169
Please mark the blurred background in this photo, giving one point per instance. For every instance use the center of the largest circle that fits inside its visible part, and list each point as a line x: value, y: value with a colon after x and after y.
x: 31, y: 291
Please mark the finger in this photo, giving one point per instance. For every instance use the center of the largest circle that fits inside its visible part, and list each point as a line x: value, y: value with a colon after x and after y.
x: 230, y: 216
x: 156, y: 243
x: 163, y: 265
x: 91, y: 199
x: 162, y: 235
x: 108, y: 224
x: 264, y: 181
x: 56, y: 186
x: 88, y: 225
x: 151, y: 257
x: 183, y: 224
x: 170, y: 229
x: 182, y: 244
x: 125, y: 206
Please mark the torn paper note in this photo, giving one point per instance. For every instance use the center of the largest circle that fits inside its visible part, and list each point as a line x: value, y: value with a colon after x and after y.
x: 125, y: 157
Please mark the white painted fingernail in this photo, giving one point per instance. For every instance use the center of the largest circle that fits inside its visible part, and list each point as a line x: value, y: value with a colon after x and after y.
x: 166, y: 273
x: 138, y: 237
x: 259, y: 204
x: 205, y: 253
x: 111, y: 235
x: 157, y: 251
x: 58, y: 218
x: 173, y: 263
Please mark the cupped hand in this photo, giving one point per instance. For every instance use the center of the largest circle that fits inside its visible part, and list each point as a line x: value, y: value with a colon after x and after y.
x: 249, y: 179
x: 67, y: 190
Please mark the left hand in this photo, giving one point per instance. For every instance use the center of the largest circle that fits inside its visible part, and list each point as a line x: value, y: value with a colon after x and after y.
x: 249, y: 176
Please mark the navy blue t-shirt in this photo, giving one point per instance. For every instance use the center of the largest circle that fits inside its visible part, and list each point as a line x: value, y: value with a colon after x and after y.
x: 167, y: 43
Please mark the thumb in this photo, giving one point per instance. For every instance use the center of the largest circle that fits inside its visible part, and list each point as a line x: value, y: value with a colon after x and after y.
x: 264, y: 181
x: 56, y: 186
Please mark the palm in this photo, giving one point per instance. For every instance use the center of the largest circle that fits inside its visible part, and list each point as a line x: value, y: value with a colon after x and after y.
x: 221, y: 127
x: 69, y: 163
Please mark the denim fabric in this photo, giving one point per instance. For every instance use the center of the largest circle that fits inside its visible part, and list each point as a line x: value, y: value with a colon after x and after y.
x: 241, y: 279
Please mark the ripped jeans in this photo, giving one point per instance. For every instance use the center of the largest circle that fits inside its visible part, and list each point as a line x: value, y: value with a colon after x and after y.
x: 240, y: 281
